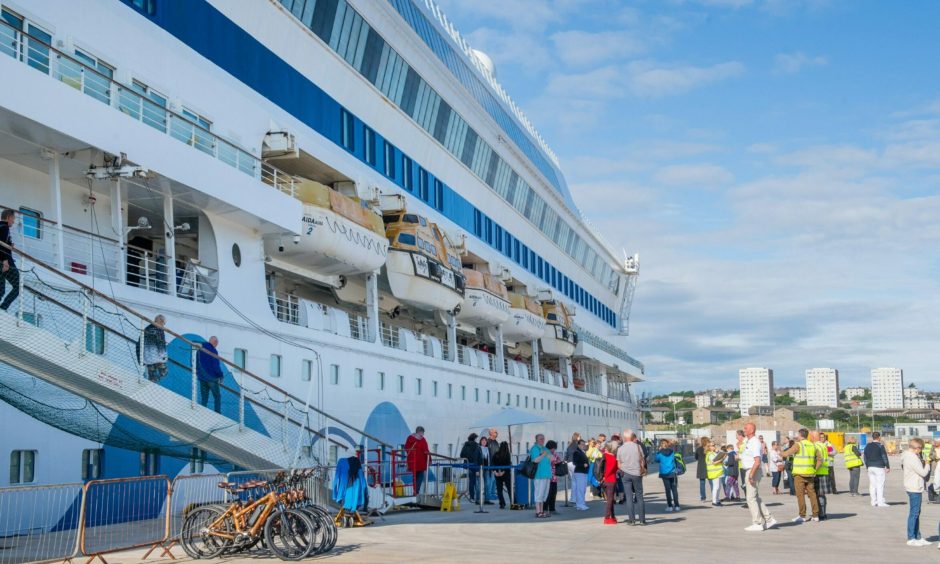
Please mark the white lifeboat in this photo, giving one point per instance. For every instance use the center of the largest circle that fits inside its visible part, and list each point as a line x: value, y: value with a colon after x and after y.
x: 486, y: 301
x: 423, y: 271
x: 339, y: 235
x: 526, y: 323
x: 559, y: 338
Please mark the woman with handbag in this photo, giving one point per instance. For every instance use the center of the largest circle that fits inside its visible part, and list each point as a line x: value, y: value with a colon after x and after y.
x: 542, y: 458
x: 776, y: 465
x: 503, y: 477
x: 579, y: 476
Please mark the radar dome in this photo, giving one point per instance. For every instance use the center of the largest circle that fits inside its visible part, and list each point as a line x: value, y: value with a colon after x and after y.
x: 486, y: 61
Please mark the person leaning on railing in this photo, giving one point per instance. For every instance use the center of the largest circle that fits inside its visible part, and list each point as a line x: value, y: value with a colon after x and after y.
x: 9, y: 274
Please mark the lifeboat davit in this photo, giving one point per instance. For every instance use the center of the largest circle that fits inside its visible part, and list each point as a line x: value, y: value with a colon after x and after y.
x: 559, y: 338
x: 339, y: 235
x: 486, y: 300
x: 422, y: 268
x: 526, y: 323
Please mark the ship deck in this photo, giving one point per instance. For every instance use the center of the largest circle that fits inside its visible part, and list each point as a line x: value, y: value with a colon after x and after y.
x: 855, y: 532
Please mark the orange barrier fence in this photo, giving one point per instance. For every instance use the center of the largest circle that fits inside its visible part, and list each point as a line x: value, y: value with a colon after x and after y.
x: 40, y: 523
x: 125, y: 513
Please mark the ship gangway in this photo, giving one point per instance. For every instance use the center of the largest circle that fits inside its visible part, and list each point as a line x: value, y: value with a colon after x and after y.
x: 79, y: 339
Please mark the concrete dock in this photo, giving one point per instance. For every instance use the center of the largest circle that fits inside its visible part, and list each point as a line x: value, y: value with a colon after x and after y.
x: 855, y: 532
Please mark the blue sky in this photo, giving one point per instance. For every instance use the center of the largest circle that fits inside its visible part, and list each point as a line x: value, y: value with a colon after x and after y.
x: 775, y: 163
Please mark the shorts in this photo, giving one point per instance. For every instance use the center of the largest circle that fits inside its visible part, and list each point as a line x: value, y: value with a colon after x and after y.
x: 540, y: 492
x: 156, y: 372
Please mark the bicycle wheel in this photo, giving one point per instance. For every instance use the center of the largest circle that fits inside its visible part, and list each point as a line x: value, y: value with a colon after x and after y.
x: 290, y: 534
x: 326, y: 519
x: 196, y: 534
x: 322, y: 535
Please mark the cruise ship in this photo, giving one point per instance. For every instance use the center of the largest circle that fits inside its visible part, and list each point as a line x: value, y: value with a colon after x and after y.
x: 340, y: 191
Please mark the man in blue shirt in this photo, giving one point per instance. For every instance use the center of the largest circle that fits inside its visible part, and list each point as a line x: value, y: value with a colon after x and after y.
x: 543, y: 474
x: 210, y: 374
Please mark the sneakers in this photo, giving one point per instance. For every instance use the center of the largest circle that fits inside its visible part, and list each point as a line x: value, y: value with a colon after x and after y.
x: 918, y: 542
x: 770, y: 523
x: 717, y: 504
x: 799, y: 520
x: 609, y: 521
x: 629, y: 521
x: 814, y: 519
x: 754, y: 528
x: 882, y: 504
x: 668, y: 510
x: 676, y: 509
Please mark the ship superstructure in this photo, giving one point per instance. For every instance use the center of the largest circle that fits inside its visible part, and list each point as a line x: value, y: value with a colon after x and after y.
x: 338, y: 190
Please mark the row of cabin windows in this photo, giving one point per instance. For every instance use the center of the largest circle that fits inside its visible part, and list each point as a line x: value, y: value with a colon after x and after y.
x: 23, y: 465
x: 340, y: 26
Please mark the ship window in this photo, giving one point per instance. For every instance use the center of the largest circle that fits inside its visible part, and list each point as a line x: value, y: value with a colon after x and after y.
x: 334, y: 374
x: 197, y: 460
x: 423, y: 184
x: 94, y: 338
x: 32, y: 223
x: 98, y: 86
x: 406, y: 239
x: 149, y: 462
x: 369, y: 139
x: 401, y: 384
x: 450, y: 391
x: 552, y: 317
x: 148, y: 7
x: 407, y: 171
x: 463, y: 393
x: 236, y: 255
x: 418, y: 386
x: 476, y: 395
x: 358, y: 378
x: 389, y: 160
x: 92, y: 459
x: 239, y: 357
x: 22, y: 466
x: 144, y: 104
x: 438, y: 195
x: 306, y: 370
x: 410, y: 218
x: 381, y: 380
x: 347, y: 130
x: 275, y: 366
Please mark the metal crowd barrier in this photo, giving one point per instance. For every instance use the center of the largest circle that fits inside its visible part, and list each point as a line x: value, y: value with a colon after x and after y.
x: 125, y: 513
x: 40, y: 523
x: 190, y: 492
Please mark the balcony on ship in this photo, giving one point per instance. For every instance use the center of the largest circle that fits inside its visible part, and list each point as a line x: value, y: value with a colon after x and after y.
x: 83, y: 106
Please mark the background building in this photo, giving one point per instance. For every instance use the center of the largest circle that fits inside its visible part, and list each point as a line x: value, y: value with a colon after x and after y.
x: 757, y: 387
x: 887, y: 388
x: 703, y: 400
x: 855, y: 392
x: 822, y: 387
x: 796, y: 394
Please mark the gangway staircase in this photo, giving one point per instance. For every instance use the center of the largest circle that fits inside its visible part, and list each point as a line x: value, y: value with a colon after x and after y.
x: 56, y: 333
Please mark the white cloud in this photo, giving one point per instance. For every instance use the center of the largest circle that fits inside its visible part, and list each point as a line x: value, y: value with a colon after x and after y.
x: 792, y: 63
x: 650, y: 80
x: 583, y: 48
x: 693, y: 175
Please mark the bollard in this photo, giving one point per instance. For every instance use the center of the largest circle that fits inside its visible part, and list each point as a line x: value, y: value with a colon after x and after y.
x: 482, y: 493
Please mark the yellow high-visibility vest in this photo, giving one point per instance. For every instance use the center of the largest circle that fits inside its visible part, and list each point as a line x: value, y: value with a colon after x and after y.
x: 851, y: 460
x: 823, y: 469
x: 804, y: 461
x: 740, y: 449
x: 713, y: 469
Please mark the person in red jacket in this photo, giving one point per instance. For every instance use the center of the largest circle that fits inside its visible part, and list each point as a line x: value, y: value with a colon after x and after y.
x: 417, y: 448
x: 610, y: 480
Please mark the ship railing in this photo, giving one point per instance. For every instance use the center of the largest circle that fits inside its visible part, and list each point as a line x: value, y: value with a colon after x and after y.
x: 463, y: 355
x: 391, y: 337
x: 516, y: 368
x: 358, y: 327
x: 196, y: 281
x: 136, y: 102
x: 608, y: 347
x: 286, y: 307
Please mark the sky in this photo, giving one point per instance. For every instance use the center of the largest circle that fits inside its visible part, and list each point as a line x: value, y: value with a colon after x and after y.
x: 775, y: 163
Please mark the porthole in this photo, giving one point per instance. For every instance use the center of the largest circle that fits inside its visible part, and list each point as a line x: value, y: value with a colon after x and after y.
x: 236, y: 254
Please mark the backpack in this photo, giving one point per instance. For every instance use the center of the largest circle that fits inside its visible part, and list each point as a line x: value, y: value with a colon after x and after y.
x: 680, y: 464
x: 599, y: 468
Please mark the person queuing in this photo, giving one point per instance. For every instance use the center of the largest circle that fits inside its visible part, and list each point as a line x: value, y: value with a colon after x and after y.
x: 210, y: 374
x: 914, y: 473
x: 473, y: 455
x: 666, y: 457
x: 9, y: 274
x: 486, y: 453
x: 489, y: 479
x: 608, y: 485
x: 632, y: 462
x: 417, y: 451
x: 542, y: 457
x: 738, y: 451
x: 761, y: 518
x: 822, y: 483
x: 572, y: 446
x: 714, y: 470
x: 876, y: 460
x: 732, y: 492
x: 806, y: 460
x: 853, y: 464
x: 552, y: 446
x: 776, y: 465
x: 831, y: 459
x: 579, y: 481
x: 503, y: 476
x: 701, y: 469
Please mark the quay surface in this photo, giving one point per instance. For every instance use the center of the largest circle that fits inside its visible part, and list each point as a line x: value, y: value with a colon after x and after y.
x: 855, y: 532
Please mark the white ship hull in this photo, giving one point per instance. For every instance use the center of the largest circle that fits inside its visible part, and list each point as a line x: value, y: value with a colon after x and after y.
x: 523, y: 326
x: 330, y: 244
x: 481, y: 308
x: 413, y: 281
